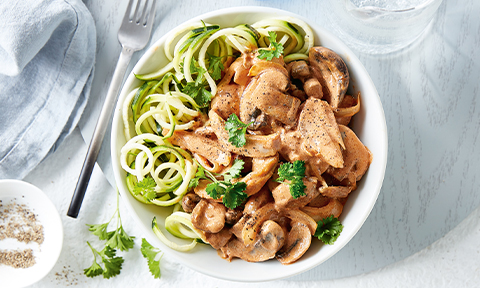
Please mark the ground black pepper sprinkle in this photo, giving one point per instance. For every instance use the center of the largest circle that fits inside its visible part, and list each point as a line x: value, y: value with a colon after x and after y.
x: 18, y: 222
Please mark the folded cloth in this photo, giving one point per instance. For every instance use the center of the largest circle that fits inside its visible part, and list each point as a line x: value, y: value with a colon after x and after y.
x: 47, y: 55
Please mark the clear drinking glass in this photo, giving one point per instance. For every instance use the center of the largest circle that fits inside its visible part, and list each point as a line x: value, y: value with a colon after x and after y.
x: 381, y: 26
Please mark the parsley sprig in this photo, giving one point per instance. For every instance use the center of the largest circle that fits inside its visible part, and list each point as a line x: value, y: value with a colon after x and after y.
x: 293, y: 172
x: 215, y: 66
x: 328, y: 230
x: 116, y: 239
x: 146, y: 188
x: 153, y: 256
x: 233, y: 193
x: 197, y: 89
x: 112, y: 264
x: 236, y: 130
x: 274, y: 50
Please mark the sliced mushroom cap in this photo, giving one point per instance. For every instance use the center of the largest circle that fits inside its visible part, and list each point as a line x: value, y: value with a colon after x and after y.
x: 208, y: 216
x: 297, y: 243
x: 267, y: 243
x: 189, y: 201
x: 330, y: 70
x: 253, y: 224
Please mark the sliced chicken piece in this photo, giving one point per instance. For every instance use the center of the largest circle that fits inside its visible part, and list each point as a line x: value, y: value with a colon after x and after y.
x: 334, y: 207
x: 270, y: 239
x: 284, y: 200
x: 257, y: 200
x: 256, y: 145
x: 320, y: 133
x: 335, y: 191
x: 332, y: 73
x: 208, y: 216
x: 227, y: 100
x: 357, y: 158
x: 266, y: 91
x: 203, y: 146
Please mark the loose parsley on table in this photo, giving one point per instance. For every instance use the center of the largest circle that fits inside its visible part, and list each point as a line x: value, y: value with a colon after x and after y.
x: 236, y: 131
x: 274, y: 50
x: 116, y: 239
x: 153, y: 256
x: 328, y: 230
x: 233, y: 193
x: 293, y: 172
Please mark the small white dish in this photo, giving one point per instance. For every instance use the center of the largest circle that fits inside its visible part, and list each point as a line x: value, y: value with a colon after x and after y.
x: 47, y: 253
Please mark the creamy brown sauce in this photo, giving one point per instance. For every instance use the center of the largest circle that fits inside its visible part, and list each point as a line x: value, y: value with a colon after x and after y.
x: 299, y: 112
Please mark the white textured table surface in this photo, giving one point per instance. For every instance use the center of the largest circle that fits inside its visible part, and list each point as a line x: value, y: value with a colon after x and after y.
x: 429, y: 93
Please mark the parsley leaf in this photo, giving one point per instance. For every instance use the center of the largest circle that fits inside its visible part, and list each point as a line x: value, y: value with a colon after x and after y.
x: 236, y: 131
x: 153, y: 256
x: 197, y: 89
x: 328, y: 230
x: 116, y: 239
x: 274, y: 50
x: 215, y: 66
x: 293, y: 172
x: 146, y: 188
x: 112, y: 264
x: 234, y: 171
x: 233, y: 193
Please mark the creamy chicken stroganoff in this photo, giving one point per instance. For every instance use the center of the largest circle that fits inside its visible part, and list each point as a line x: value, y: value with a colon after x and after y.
x: 245, y: 133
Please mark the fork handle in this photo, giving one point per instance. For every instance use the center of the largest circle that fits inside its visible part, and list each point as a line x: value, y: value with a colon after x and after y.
x: 99, y: 132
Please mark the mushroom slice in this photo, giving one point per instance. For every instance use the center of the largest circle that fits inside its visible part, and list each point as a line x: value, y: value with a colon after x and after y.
x: 268, y: 241
x: 208, y: 216
x: 332, y: 73
x: 334, y: 207
x: 219, y: 239
x: 297, y: 243
x: 257, y: 200
x: 252, y: 226
x: 296, y: 215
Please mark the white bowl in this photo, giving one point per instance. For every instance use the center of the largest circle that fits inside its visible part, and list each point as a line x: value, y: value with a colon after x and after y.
x: 47, y: 253
x: 369, y: 125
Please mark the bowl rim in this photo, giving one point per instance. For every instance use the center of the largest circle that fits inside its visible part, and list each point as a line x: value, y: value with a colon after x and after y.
x: 366, y: 81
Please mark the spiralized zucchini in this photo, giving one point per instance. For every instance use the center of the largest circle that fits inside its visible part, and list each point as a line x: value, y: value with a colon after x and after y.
x: 157, y: 172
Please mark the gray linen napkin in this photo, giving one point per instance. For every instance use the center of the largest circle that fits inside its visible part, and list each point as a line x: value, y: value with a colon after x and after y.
x: 47, y: 55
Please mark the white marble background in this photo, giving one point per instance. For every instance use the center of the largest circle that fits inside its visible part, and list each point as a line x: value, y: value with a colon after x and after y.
x: 429, y: 93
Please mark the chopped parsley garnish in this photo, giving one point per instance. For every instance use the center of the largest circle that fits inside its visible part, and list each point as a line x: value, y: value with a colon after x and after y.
x: 293, y: 172
x: 215, y: 66
x: 328, y: 230
x: 233, y: 193
x: 274, y: 50
x: 153, y: 256
x: 146, y: 188
x: 236, y: 131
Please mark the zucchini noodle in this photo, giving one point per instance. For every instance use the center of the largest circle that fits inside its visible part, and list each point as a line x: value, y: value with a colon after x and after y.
x: 157, y: 172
